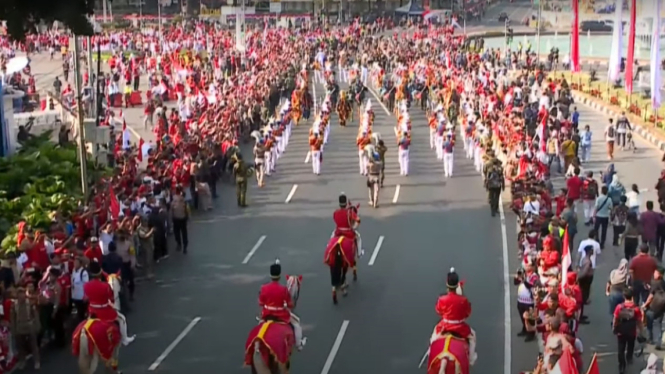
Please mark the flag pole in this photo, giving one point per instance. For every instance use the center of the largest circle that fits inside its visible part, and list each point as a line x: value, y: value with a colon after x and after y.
x: 83, y: 153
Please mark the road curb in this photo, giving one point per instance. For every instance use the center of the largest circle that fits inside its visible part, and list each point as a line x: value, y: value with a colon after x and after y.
x: 611, y: 111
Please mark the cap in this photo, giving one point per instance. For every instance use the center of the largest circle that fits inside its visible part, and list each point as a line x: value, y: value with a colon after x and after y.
x: 94, y: 269
x: 275, y: 270
x: 453, y: 279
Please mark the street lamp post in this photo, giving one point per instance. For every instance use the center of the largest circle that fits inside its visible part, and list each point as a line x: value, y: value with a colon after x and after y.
x: 83, y: 154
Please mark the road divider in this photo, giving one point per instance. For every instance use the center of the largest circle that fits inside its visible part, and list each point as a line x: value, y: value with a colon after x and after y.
x: 377, y: 248
x: 254, y: 249
x: 396, y: 196
x: 290, y: 195
x: 335, y: 348
x: 174, y: 344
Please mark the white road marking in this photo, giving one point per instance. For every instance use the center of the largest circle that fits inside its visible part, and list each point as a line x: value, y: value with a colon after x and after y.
x: 378, y: 99
x: 377, y: 248
x: 396, y: 194
x: 507, y: 327
x: 290, y: 195
x: 171, y: 347
x: 254, y: 249
x: 309, y: 154
x: 335, y: 347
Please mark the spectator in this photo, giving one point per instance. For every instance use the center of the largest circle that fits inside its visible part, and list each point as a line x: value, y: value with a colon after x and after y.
x: 619, y: 217
x: 146, y: 245
x: 602, y: 210
x: 627, y: 325
x: 631, y: 236
x: 642, y: 268
x: 79, y: 278
x: 24, y: 322
x: 650, y: 221
x: 617, y: 283
x: 655, y: 308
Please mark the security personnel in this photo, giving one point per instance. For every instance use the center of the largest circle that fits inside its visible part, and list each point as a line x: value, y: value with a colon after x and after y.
x: 240, y: 172
x: 381, y: 149
x: 494, y: 183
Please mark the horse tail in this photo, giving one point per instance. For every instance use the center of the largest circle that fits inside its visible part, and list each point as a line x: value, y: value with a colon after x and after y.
x: 263, y: 361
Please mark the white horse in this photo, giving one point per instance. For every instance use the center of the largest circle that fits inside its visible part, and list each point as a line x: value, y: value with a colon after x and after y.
x: 259, y: 366
x: 87, y: 362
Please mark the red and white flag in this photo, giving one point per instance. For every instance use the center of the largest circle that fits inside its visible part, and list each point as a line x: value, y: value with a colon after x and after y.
x: 126, y: 134
x: 565, y: 365
x: 566, y: 260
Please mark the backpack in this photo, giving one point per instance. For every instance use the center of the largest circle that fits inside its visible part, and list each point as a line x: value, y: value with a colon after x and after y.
x: 591, y: 188
x: 494, y: 179
x: 610, y: 132
x: 626, y: 323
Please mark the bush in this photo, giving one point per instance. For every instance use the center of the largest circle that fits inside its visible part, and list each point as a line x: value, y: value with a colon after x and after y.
x: 42, y: 179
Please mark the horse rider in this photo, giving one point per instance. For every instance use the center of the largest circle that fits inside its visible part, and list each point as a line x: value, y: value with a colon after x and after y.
x: 454, y: 309
x: 373, y: 176
x: 101, y: 301
x: 346, y: 220
x: 276, y: 303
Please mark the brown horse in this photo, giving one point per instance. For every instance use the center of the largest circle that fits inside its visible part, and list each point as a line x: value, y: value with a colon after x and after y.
x: 341, y: 255
x: 270, y: 344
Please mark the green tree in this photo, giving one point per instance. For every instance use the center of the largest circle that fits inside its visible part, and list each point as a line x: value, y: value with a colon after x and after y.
x: 23, y: 16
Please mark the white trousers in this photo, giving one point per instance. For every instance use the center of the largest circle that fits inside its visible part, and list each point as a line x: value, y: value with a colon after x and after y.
x: 318, y: 76
x: 469, y: 147
x: 447, y: 164
x: 403, y: 155
x: 268, y: 162
x: 432, y: 138
x: 362, y: 162
x: 439, y: 147
x: 122, y: 321
x: 326, y: 133
x: 280, y: 146
x: 316, y: 162
x: 477, y: 159
x: 343, y: 76
x: 589, y: 207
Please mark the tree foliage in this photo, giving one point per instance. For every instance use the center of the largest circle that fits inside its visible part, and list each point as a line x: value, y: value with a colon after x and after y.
x: 23, y: 16
x: 42, y: 179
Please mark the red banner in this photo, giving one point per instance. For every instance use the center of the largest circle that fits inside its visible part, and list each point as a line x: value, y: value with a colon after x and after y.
x: 630, y: 57
x: 575, y: 41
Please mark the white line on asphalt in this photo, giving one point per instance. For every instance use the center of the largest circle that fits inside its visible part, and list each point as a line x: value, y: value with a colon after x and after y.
x: 254, y: 249
x: 290, y: 195
x: 507, y: 327
x: 335, y: 347
x: 378, y: 99
x: 396, y: 194
x: 377, y: 248
x: 309, y: 154
x: 177, y: 341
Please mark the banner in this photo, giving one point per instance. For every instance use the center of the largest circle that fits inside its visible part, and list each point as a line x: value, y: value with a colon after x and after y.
x: 575, y: 41
x: 630, y: 58
x: 614, y: 69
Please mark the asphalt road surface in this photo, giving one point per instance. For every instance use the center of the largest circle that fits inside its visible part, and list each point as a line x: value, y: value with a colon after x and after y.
x: 433, y: 224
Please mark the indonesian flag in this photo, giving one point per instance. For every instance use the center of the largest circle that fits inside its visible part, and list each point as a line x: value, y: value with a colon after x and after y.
x: 114, y: 205
x: 593, y: 366
x: 565, y: 365
x: 566, y: 260
x: 427, y: 14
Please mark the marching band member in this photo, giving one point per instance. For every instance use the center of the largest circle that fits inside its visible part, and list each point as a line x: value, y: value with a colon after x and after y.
x: 454, y: 309
x: 447, y: 148
x: 315, y: 145
x: 268, y: 145
x: 433, y: 125
x: 346, y: 221
x: 361, y: 142
x: 440, y: 131
x: 279, y: 139
x: 287, y: 121
x: 404, y: 141
x: 276, y: 302
x: 325, y: 111
x: 468, y: 138
x: 259, y: 152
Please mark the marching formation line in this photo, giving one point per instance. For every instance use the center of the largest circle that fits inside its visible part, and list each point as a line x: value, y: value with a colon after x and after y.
x: 290, y: 195
x: 254, y: 249
x: 335, y: 347
x: 396, y: 194
x: 377, y: 248
x: 173, y: 344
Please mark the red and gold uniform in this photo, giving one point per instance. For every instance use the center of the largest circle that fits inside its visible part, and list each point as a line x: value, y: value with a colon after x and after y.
x: 454, y: 309
x: 362, y: 141
x: 275, y: 299
x: 100, y: 300
x: 345, y: 219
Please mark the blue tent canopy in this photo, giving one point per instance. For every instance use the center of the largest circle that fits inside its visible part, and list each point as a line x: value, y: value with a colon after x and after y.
x: 412, y: 8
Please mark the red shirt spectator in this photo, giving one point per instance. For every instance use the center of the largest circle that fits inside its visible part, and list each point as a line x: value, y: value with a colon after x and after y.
x: 574, y: 186
x: 642, y: 267
x: 628, y: 304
